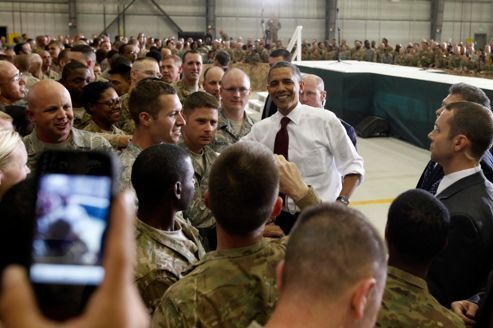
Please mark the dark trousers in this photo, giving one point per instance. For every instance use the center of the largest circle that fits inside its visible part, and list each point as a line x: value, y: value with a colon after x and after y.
x: 286, y: 220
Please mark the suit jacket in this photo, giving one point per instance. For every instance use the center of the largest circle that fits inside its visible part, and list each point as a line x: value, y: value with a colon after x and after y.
x: 461, y: 269
x: 433, y: 172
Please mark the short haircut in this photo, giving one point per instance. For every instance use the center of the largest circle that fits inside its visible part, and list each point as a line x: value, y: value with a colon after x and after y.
x: 155, y: 171
x: 189, y: 52
x: 22, y: 62
x: 120, y: 60
x: 121, y: 49
x: 70, y: 67
x: 154, y: 54
x: 63, y: 55
x: 18, y: 47
x: 286, y: 55
x: 145, y: 97
x: 176, y: 59
x: 470, y: 93
x: 9, y: 141
x: 92, y: 93
x: 86, y: 50
x: 222, y: 58
x: 417, y: 225
x: 293, y: 67
x: 331, y: 247
x: 475, y: 122
x: 21, y: 122
x: 243, y: 187
x: 122, y: 70
x: 199, y: 99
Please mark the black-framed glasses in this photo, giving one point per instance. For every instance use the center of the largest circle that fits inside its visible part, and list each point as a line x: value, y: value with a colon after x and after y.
x: 110, y: 103
x: 242, y: 91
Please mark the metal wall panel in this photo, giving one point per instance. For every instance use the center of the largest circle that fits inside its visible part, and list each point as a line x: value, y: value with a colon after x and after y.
x: 400, y: 21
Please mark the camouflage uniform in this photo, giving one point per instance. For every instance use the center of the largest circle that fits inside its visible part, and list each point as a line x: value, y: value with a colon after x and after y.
x: 225, y: 134
x: 183, y: 91
x: 407, y: 303
x: 198, y: 214
x: 162, y: 258
x: 126, y: 122
x: 426, y: 58
x: 112, y: 136
x: 127, y: 159
x: 81, y: 117
x: 78, y: 140
x: 358, y: 54
x: 228, y: 288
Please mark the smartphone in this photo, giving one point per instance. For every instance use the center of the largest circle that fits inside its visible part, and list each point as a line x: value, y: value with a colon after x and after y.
x: 74, y: 192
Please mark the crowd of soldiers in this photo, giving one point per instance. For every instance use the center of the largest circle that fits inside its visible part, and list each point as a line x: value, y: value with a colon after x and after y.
x: 456, y: 58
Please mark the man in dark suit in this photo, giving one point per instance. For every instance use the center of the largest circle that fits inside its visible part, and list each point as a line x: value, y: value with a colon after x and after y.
x: 275, y: 56
x: 433, y: 172
x: 463, y: 133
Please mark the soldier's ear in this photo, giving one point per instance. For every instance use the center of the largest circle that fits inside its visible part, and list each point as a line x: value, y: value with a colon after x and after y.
x: 177, y: 190
x: 145, y: 119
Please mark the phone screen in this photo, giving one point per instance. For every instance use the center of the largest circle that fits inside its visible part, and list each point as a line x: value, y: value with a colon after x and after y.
x: 71, y: 214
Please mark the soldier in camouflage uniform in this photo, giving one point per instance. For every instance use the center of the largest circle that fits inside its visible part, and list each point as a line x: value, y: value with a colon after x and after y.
x: 200, y: 112
x: 328, y: 279
x: 357, y: 53
x: 234, y: 122
x: 166, y: 245
x: 50, y: 109
x: 191, y: 69
x: 417, y: 229
x: 234, y: 285
x: 145, y: 67
x: 156, y: 111
x: 75, y: 76
x: 103, y: 104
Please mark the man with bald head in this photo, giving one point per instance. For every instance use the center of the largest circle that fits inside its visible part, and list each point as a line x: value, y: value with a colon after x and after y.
x: 142, y: 68
x: 50, y: 109
x: 212, y: 81
x: 12, y: 86
x: 314, y: 95
x: 234, y: 122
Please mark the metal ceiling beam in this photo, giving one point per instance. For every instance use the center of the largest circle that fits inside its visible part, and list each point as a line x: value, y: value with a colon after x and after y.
x: 116, y: 19
x: 72, y: 17
x: 168, y: 18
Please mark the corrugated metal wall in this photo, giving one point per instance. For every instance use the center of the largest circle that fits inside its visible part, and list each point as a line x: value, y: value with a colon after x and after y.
x: 398, y: 20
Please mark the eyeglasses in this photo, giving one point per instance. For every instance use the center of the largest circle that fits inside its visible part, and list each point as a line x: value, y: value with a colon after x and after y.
x: 242, y: 91
x: 110, y: 103
x: 16, y: 78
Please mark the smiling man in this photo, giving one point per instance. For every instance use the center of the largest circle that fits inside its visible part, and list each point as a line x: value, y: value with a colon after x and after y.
x: 50, y: 109
x: 12, y: 86
x: 200, y: 112
x: 314, y: 140
x: 156, y: 111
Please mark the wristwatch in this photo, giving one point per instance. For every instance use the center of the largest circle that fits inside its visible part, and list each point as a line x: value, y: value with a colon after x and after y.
x: 343, y: 200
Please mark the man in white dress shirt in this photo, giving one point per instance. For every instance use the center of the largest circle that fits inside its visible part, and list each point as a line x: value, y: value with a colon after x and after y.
x: 317, y: 142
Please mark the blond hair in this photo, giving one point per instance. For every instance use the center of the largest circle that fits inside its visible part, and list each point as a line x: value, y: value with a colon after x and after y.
x: 9, y: 141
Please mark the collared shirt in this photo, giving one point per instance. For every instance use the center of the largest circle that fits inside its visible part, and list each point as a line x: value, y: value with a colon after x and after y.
x: 407, y: 303
x: 318, y: 145
x: 228, y: 288
x: 163, y: 257
x: 78, y: 139
x: 452, y: 178
x: 226, y: 135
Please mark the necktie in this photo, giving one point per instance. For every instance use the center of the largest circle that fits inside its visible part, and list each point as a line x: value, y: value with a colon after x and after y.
x: 281, y: 144
x: 434, y: 187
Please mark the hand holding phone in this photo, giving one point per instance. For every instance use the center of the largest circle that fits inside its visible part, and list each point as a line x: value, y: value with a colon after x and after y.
x: 116, y: 303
